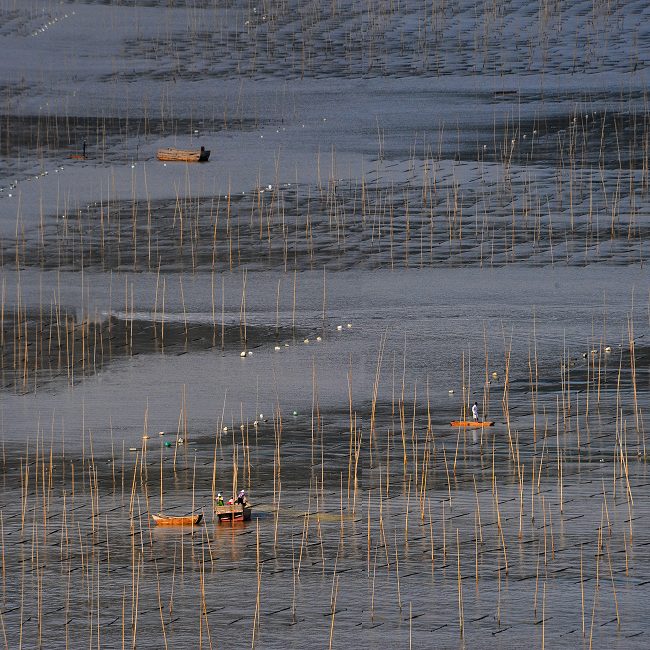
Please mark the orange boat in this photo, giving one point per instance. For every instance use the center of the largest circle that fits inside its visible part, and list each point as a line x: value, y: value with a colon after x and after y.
x: 470, y: 423
x: 169, y: 520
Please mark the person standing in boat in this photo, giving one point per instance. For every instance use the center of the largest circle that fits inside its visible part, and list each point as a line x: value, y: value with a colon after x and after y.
x: 475, y: 411
x: 241, y: 497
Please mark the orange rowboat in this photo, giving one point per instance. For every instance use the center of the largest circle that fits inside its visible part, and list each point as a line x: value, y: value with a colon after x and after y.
x: 168, y: 520
x: 470, y: 423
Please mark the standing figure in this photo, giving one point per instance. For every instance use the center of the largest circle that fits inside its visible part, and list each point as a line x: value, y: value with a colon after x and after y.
x: 475, y: 412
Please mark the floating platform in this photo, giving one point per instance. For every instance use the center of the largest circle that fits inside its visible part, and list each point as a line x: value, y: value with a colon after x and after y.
x: 234, y: 512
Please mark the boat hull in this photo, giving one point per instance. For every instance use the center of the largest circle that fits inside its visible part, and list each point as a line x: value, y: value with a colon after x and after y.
x: 183, y: 155
x: 470, y: 423
x: 168, y: 520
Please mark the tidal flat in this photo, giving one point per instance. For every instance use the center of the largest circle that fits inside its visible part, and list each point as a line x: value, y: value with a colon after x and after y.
x: 409, y: 207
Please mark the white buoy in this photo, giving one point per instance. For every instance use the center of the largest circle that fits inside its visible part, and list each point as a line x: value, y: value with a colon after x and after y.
x: 161, y: 433
x: 319, y: 339
x: 306, y: 341
x: 451, y: 391
x: 339, y: 327
x: 242, y: 353
x: 250, y: 352
x: 349, y: 326
x: 608, y: 349
x: 277, y: 347
x: 225, y: 429
x: 261, y: 416
x: 255, y: 423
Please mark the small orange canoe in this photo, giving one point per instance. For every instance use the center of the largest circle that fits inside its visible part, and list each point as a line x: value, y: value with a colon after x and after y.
x: 168, y: 520
x: 470, y: 423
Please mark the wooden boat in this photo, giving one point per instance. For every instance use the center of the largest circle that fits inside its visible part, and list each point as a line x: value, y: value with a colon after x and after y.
x: 183, y: 155
x: 470, y: 423
x: 169, y: 520
x: 234, y: 512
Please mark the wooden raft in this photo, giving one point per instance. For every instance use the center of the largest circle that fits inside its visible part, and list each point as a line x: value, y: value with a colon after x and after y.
x: 234, y: 512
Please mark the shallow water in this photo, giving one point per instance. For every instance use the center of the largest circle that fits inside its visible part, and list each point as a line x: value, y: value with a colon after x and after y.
x: 409, y: 207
